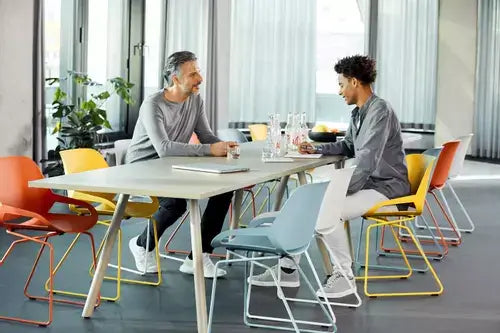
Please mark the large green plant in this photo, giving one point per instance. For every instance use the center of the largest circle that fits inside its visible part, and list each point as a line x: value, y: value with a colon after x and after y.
x: 78, y: 124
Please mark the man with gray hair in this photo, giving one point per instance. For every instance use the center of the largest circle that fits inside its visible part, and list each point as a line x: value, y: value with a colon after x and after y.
x: 167, y: 119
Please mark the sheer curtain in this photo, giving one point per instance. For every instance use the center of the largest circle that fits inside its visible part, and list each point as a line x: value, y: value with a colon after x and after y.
x: 273, y: 59
x: 407, y: 59
x: 487, y: 108
x: 106, y: 57
x: 187, y: 30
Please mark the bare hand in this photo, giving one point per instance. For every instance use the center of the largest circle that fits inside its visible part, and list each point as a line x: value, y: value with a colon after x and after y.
x: 306, y: 148
x: 220, y: 148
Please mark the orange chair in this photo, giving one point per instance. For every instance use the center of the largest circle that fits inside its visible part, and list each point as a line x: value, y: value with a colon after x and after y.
x: 17, y: 200
x: 438, y: 181
x: 194, y: 139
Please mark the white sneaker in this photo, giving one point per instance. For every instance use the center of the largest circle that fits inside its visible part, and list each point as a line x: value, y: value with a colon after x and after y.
x: 187, y: 267
x: 337, y: 286
x: 145, y: 261
x: 286, y: 280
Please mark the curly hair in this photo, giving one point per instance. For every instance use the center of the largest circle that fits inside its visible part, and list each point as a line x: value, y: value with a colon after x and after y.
x: 357, y: 66
x: 174, y: 61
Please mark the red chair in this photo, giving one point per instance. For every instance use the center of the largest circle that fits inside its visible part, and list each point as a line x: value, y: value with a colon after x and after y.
x: 18, y: 201
x: 438, y: 181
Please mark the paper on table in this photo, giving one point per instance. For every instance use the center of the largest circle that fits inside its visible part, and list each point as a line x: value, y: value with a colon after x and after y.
x: 299, y: 155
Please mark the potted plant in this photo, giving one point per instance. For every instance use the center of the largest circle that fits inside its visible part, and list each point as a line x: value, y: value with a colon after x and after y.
x: 77, y: 125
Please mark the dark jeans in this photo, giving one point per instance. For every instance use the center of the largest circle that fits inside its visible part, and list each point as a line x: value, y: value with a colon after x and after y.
x: 171, y: 209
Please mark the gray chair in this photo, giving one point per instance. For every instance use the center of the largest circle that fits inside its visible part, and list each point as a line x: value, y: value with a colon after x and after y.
x: 121, y: 147
x: 231, y: 134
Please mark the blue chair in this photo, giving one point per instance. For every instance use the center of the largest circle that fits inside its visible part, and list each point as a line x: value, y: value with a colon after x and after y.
x: 231, y: 134
x: 288, y: 236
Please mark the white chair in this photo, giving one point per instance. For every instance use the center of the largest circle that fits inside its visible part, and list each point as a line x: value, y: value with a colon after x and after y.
x: 455, y: 170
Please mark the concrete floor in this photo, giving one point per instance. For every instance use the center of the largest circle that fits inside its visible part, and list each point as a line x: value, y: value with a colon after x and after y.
x: 470, y: 303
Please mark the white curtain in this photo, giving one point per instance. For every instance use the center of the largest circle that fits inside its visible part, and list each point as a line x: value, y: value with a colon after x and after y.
x: 187, y: 30
x: 273, y: 59
x: 487, y: 108
x: 105, y: 54
x: 407, y: 59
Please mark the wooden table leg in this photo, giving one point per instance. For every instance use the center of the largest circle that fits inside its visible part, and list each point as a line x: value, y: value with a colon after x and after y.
x: 102, y: 264
x: 280, y: 192
x: 199, y: 278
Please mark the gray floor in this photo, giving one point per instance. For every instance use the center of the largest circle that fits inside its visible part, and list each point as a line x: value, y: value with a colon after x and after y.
x: 470, y: 303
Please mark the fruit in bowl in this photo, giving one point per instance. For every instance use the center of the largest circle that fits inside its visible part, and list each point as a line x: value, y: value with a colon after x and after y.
x: 320, y: 128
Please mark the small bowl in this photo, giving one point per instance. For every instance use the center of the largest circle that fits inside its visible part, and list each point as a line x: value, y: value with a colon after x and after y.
x: 323, y: 136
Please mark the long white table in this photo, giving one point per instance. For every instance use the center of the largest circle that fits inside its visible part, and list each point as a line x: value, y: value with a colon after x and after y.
x: 157, y: 178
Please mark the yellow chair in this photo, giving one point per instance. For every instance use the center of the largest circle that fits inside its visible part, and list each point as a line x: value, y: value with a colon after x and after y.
x: 85, y: 159
x: 258, y: 132
x: 420, y: 170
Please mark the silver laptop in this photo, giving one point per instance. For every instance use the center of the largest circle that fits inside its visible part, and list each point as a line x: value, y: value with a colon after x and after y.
x: 210, y: 167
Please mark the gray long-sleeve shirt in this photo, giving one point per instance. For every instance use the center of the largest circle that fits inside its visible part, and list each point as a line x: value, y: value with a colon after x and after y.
x: 164, y: 129
x: 377, y: 147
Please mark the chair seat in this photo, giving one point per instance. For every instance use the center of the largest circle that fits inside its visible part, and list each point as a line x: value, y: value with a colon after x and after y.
x: 71, y: 223
x: 66, y: 223
x: 254, y: 239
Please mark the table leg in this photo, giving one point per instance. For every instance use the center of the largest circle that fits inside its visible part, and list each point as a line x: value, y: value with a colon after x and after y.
x: 280, y: 192
x: 302, y: 178
x: 238, y: 199
x: 235, y: 219
x: 199, y: 279
x: 110, y: 237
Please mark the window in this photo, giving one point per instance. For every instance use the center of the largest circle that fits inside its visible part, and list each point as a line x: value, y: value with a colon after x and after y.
x: 105, y: 54
x: 52, y: 61
x: 340, y: 32
x: 282, y: 57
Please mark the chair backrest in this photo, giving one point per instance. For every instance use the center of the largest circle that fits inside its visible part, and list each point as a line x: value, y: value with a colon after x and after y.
x: 258, y: 132
x: 458, y: 161
x: 443, y: 164
x: 121, y: 147
x: 15, y: 172
x: 231, y: 134
x: 420, y: 170
x: 333, y: 201
x: 293, y: 228
x: 82, y: 159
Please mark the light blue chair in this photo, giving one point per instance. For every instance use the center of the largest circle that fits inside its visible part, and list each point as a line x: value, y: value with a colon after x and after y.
x: 231, y: 134
x: 288, y: 236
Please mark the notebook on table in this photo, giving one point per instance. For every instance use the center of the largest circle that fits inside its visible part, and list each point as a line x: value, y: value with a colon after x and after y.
x: 210, y: 167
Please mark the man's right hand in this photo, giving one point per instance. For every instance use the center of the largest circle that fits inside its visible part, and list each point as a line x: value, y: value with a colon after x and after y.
x: 220, y: 148
x: 306, y: 148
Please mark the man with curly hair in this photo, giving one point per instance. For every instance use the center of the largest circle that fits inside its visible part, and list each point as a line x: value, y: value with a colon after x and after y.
x: 373, y: 139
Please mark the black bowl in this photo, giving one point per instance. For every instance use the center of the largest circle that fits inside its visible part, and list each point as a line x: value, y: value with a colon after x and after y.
x: 323, y: 136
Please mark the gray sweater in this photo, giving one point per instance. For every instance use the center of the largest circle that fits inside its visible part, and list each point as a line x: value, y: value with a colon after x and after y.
x: 164, y: 129
x: 377, y: 147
